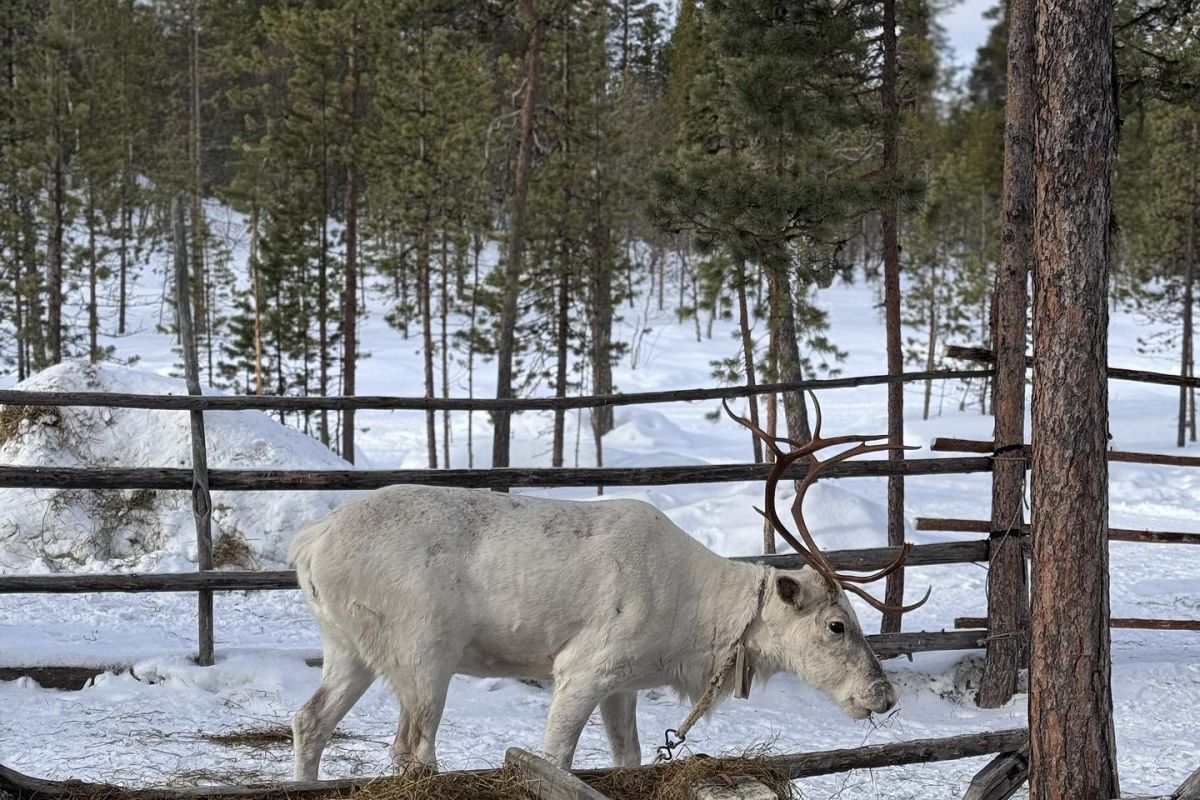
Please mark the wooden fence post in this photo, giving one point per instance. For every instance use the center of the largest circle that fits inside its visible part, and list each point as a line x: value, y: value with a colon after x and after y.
x: 201, y: 499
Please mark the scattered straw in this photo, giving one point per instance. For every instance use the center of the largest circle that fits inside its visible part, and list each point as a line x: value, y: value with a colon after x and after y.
x: 11, y: 418
x: 232, y: 550
x: 675, y: 779
x: 502, y: 784
x: 258, y: 738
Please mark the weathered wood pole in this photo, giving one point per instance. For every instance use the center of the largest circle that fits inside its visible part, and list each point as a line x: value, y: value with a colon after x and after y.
x: 894, y: 588
x: 201, y: 500
x: 1008, y: 594
x: 1073, y: 752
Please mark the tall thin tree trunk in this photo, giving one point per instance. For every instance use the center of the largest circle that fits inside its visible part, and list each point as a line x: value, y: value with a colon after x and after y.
x: 748, y: 353
x: 444, y: 314
x: 350, y: 287
x: 259, y: 300
x: 562, y: 356
x: 1073, y: 746
x: 931, y: 344
x: 323, y: 291
x: 199, y: 275
x: 424, y: 291
x: 516, y: 237
x: 1008, y: 593
x: 93, y: 269
x: 477, y: 248
x: 894, y: 591
x: 787, y: 353
x: 1189, y: 293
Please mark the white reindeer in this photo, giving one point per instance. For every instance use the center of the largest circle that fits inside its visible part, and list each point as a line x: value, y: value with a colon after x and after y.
x: 603, y: 598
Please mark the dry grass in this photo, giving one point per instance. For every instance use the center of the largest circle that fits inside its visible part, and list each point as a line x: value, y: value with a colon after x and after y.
x: 11, y: 418
x: 502, y: 784
x: 232, y: 550
x: 258, y: 738
x: 674, y: 780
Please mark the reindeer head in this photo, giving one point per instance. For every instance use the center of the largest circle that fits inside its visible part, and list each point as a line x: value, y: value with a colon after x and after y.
x: 808, y: 626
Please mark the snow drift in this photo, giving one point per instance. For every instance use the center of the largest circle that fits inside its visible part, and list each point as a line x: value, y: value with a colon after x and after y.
x: 99, y: 530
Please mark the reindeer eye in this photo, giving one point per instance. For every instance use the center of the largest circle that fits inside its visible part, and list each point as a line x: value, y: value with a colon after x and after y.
x: 837, y: 627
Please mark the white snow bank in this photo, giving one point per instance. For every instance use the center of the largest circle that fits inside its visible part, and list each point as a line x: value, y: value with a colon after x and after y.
x: 43, y: 530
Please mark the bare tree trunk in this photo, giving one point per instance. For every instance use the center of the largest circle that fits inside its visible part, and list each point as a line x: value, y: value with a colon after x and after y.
x: 1073, y: 746
x: 1189, y: 291
x: 562, y: 352
x: 54, y: 254
x: 931, y: 344
x: 516, y: 237
x: 424, y: 290
x: 748, y: 353
x: 1008, y: 594
x: 787, y: 353
x: 444, y: 314
x: 199, y: 276
x: 894, y: 591
x: 93, y: 267
x: 259, y: 300
x: 477, y: 247
x: 350, y: 289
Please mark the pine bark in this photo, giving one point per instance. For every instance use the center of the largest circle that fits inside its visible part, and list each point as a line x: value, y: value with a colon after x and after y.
x: 1073, y: 748
x: 501, y: 434
x: 1008, y: 593
x: 894, y: 590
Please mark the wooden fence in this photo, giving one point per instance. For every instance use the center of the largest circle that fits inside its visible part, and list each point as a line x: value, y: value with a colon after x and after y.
x: 204, y: 582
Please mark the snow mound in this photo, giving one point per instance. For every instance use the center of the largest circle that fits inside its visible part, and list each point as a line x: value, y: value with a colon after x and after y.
x: 48, y: 530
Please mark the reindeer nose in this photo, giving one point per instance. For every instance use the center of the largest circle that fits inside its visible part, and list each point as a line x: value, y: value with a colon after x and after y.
x: 883, y: 697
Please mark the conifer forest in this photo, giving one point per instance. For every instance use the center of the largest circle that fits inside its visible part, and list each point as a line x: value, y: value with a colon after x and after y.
x: 515, y: 176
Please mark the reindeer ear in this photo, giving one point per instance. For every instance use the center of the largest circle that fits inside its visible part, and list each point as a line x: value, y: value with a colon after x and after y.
x: 790, y: 590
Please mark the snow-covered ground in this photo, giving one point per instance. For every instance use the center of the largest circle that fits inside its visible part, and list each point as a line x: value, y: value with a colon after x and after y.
x: 146, y: 727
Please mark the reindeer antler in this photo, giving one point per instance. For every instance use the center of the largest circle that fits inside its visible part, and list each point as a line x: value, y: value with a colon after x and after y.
x: 809, y: 549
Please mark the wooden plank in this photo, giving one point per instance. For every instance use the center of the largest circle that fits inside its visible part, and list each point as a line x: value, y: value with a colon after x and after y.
x: 1003, y: 776
x: 1114, y: 622
x: 853, y: 560
x: 1114, y: 534
x: 890, y: 645
x: 149, y: 582
x: 1189, y: 789
x: 545, y: 781
x: 201, y: 499
x: 984, y: 355
x: 65, y: 677
x: 389, y: 403
x: 14, y: 477
x: 944, y: 444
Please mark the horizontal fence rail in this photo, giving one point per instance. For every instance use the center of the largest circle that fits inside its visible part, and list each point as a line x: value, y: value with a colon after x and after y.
x: 388, y: 403
x: 944, y: 444
x: 313, y: 480
x: 862, y: 560
x: 984, y: 355
x: 1114, y: 534
x: 1113, y: 622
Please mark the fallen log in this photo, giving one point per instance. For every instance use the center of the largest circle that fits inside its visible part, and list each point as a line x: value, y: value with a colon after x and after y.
x: 1002, y: 777
x: 18, y: 786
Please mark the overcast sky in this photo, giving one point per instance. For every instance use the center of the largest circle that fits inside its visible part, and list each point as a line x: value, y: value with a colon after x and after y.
x: 967, y: 29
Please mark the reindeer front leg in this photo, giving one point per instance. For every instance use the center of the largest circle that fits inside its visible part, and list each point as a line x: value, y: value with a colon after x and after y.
x: 572, y: 704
